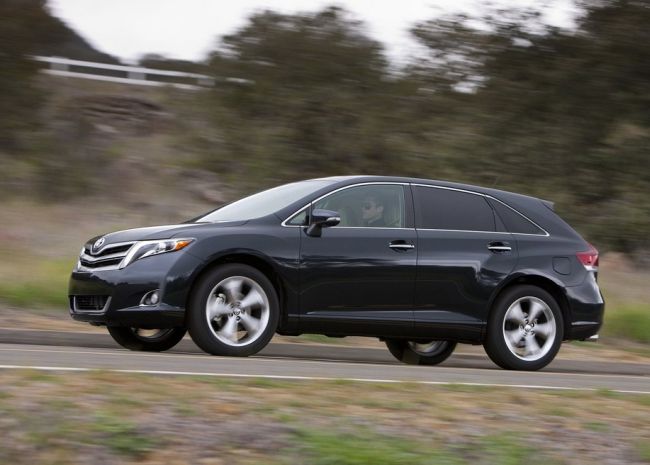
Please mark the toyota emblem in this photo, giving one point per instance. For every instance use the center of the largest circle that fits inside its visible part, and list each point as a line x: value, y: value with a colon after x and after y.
x: 98, y: 243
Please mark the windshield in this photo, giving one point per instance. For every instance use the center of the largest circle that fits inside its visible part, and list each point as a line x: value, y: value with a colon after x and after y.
x: 265, y: 202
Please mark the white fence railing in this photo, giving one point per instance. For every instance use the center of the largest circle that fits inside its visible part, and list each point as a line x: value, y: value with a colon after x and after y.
x: 128, y: 74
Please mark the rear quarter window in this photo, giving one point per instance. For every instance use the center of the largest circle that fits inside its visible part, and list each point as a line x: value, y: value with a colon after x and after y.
x: 513, y: 221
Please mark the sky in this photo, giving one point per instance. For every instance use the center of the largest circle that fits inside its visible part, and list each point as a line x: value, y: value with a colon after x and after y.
x: 189, y: 29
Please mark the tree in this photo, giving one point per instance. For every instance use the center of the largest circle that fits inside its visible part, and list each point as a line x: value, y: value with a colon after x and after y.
x: 315, y: 97
x: 556, y: 113
x: 18, y: 96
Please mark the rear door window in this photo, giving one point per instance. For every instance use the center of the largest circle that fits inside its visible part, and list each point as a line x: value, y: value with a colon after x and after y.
x: 437, y: 208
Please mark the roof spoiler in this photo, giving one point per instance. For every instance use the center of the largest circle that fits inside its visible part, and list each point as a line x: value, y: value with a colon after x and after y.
x: 548, y: 204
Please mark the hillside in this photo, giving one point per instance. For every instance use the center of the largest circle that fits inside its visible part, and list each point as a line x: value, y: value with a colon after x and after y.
x: 563, y: 117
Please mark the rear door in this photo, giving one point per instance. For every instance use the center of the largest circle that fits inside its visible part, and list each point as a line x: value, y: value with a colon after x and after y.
x: 463, y: 255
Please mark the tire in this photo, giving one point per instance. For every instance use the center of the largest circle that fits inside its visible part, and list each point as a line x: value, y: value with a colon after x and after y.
x: 514, y: 341
x: 139, y: 339
x: 234, y: 311
x: 416, y: 353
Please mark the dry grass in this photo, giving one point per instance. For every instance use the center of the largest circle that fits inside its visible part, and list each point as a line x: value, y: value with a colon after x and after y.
x: 114, y: 418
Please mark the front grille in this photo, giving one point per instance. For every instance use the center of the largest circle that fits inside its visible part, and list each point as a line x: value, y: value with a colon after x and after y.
x: 112, y: 262
x: 89, y: 303
x: 114, y: 248
x: 108, y: 257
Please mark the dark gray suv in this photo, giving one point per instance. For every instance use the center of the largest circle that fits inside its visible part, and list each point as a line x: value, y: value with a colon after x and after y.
x: 420, y: 264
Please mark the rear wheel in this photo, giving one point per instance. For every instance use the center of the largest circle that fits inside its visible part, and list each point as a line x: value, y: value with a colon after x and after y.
x: 234, y: 310
x: 420, y: 353
x: 525, y: 329
x: 148, y: 340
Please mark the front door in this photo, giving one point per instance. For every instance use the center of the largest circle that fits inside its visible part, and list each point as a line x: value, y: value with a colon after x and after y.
x: 359, y: 277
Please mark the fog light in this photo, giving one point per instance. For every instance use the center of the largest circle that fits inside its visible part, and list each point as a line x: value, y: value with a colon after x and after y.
x: 150, y: 298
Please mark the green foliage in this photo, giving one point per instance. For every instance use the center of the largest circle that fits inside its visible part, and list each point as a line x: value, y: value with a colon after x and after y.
x: 547, y: 112
x: 560, y: 115
x: 18, y: 96
x: 27, y: 28
x: 628, y: 322
x: 552, y: 113
x: 316, y: 94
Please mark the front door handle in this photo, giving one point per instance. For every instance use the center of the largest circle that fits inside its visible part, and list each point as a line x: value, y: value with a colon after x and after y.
x: 400, y: 245
x: 499, y: 246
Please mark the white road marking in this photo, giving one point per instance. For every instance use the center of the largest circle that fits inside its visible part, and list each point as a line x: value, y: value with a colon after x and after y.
x: 117, y: 352
x: 314, y: 378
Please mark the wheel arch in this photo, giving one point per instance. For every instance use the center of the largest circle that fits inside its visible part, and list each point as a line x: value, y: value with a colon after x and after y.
x: 550, y: 285
x: 259, y: 262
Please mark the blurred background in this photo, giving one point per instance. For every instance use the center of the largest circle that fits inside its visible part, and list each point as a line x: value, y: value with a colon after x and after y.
x: 548, y: 99
x: 119, y: 114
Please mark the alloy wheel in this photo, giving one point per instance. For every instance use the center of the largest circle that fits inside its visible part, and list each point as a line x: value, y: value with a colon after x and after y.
x: 529, y: 328
x: 237, y: 311
x: 428, y: 348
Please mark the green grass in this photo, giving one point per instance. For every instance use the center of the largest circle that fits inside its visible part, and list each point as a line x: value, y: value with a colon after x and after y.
x: 360, y: 446
x: 630, y: 322
x: 643, y: 449
x: 120, y: 435
x: 507, y: 449
x: 597, y: 426
x: 40, y: 282
x: 366, y: 448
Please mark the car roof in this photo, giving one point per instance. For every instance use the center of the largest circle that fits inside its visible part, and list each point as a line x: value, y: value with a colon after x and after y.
x: 346, y: 180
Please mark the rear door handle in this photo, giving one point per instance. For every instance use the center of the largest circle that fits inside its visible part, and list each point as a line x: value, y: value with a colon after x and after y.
x: 400, y: 245
x: 499, y: 246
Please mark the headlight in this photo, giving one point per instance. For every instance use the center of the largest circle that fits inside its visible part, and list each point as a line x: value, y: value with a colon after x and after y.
x: 144, y: 249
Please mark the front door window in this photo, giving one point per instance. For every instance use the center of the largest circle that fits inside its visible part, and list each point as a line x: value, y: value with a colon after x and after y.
x: 370, y: 206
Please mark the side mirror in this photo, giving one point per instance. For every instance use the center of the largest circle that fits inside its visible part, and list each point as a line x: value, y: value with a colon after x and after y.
x: 322, y: 219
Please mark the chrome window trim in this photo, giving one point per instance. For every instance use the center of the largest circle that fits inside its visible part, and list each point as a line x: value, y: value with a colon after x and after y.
x: 387, y: 183
x: 367, y: 227
x: 546, y: 234
x: 464, y: 230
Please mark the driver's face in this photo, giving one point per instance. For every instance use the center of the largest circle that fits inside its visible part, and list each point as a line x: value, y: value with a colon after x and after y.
x: 371, y: 210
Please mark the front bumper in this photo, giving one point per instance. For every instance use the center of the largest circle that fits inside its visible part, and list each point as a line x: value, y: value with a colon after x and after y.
x: 123, y: 290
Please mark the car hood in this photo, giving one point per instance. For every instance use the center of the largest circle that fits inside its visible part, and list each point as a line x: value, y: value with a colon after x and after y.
x: 157, y: 232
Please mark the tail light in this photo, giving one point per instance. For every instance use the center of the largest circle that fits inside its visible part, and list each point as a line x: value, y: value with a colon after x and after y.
x: 589, y: 259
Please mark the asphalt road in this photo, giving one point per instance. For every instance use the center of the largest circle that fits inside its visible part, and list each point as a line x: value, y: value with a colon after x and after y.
x: 85, y: 351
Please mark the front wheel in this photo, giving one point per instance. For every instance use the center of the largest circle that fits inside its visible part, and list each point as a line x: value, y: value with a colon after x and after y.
x: 234, y: 310
x: 148, y: 340
x: 525, y: 329
x: 420, y: 353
